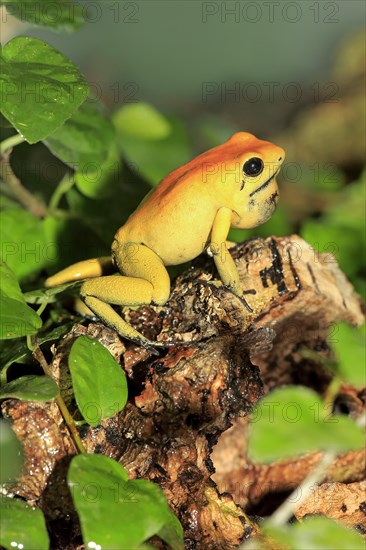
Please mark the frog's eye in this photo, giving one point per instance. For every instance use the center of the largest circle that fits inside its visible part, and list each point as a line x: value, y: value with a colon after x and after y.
x: 253, y: 167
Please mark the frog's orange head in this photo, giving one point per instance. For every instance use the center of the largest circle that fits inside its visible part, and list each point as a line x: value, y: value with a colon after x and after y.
x: 248, y: 178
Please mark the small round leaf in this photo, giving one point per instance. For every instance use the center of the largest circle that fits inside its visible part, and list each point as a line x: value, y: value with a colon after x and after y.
x: 30, y: 388
x: 99, y: 383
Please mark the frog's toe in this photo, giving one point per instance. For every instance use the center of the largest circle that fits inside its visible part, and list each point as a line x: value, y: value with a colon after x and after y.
x: 245, y: 303
x: 153, y: 348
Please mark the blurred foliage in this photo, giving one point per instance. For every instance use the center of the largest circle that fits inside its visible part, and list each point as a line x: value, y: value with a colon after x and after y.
x: 30, y: 388
x: 314, y: 533
x: 11, y: 453
x: 350, y: 352
x: 284, y: 413
x: 140, y: 504
x: 17, y: 318
x: 64, y: 16
x: 155, y: 152
x: 33, y: 532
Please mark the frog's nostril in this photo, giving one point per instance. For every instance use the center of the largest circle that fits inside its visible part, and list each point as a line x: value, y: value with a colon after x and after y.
x: 279, y: 159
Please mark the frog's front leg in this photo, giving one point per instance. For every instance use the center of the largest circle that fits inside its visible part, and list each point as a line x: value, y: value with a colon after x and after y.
x: 144, y: 280
x: 224, y: 263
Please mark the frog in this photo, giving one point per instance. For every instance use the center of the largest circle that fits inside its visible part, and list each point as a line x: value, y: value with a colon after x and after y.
x: 232, y: 185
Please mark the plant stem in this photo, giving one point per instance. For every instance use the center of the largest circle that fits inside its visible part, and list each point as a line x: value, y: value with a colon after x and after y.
x: 38, y: 355
x: 10, y: 142
x: 287, y: 508
x: 20, y: 193
x: 30, y: 339
x: 63, y: 187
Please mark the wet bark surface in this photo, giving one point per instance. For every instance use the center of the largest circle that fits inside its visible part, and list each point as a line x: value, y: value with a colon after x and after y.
x: 185, y: 423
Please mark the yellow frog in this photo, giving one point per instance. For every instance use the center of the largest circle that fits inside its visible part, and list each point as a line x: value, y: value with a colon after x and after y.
x: 190, y: 211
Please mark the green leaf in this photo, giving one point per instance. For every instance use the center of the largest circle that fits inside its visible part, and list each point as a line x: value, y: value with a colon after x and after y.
x: 100, y: 182
x: 342, y: 242
x: 99, y: 382
x: 318, y: 178
x: 23, y: 242
x: 22, y: 525
x: 291, y: 421
x: 349, y: 345
x: 30, y: 388
x: 315, y: 533
x: 142, y: 121
x: 349, y: 201
x: 39, y: 87
x: 84, y: 141
x: 16, y: 317
x: 60, y: 16
x: 9, y: 284
x: 101, y: 492
x: 6, y: 202
x: 11, y: 454
x: 13, y: 351
x: 47, y: 295
x: 17, y: 351
x: 155, y: 159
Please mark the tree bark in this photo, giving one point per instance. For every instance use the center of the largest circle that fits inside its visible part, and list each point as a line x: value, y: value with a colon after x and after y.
x: 227, y: 354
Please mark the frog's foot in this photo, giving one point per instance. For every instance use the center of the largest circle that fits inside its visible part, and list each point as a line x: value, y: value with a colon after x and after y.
x: 244, y: 302
x: 97, y: 294
x: 155, y: 347
x: 240, y: 297
x: 86, y: 269
x: 220, y: 284
x: 152, y: 347
x: 83, y: 310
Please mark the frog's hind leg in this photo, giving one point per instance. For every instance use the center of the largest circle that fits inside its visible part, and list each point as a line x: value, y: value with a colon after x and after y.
x: 99, y: 293
x: 82, y: 270
x: 145, y: 281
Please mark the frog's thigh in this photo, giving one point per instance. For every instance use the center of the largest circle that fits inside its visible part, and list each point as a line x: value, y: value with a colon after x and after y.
x: 99, y: 293
x: 137, y: 260
x: 118, y: 290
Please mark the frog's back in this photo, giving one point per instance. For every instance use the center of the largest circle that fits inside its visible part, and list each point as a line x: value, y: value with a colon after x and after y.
x: 171, y: 221
x: 175, y: 218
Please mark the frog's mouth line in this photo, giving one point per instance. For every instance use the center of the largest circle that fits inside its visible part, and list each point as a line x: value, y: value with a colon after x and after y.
x: 264, y: 185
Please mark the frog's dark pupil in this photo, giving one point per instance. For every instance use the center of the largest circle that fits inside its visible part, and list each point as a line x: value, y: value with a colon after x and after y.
x: 253, y: 167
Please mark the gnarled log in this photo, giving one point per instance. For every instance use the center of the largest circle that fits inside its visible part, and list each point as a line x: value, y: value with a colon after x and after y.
x: 227, y: 353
